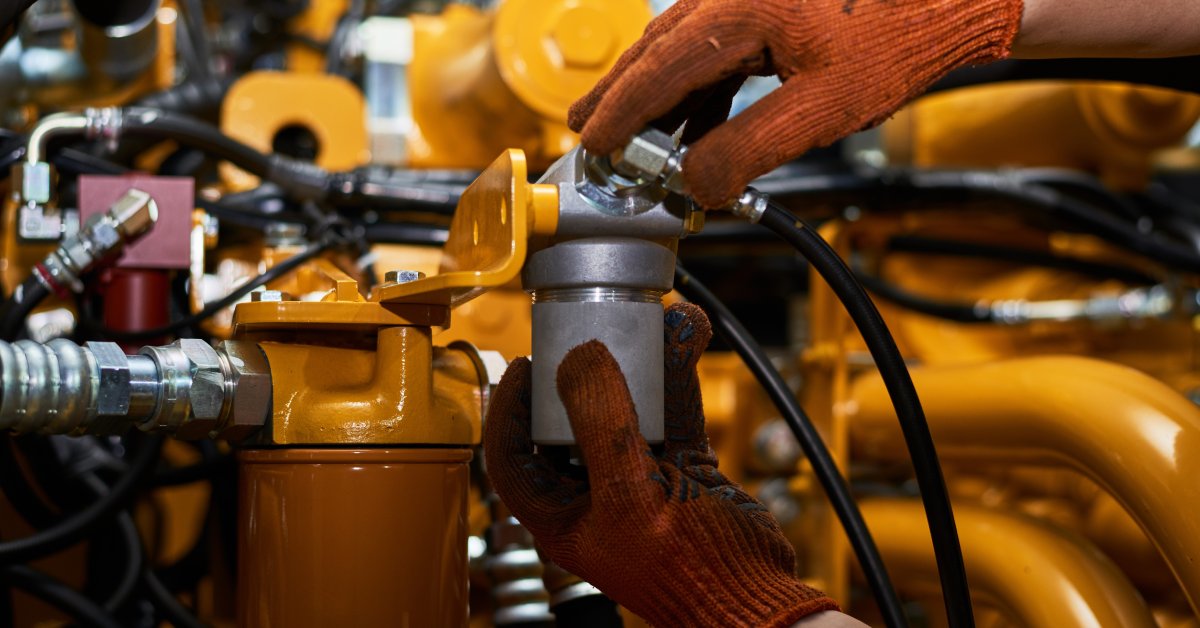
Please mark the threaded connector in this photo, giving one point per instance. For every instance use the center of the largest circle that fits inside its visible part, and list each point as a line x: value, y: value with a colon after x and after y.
x: 187, y: 388
x: 101, y: 238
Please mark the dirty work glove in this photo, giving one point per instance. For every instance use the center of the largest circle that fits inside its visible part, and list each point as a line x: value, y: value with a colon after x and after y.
x: 845, y: 65
x: 667, y: 536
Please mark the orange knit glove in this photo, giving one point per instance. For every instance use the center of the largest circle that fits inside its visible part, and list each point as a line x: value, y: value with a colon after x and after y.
x: 846, y: 65
x: 667, y: 536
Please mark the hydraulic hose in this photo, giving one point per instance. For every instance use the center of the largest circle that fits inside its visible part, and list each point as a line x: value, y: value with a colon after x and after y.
x: 76, y: 526
x: 59, y: 595
x: 956, y: 312
x: 166, y: 604
x: 824, y: 467
x: 199, y: 97
x: 17, y: 307
x: 275, y: 272
x: 1179, y: 73
x: 899, y: 185
x: 890, y: 362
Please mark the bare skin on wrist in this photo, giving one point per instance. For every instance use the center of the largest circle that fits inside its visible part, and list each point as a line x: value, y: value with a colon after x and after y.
x: 1108, y: 28
x: 829, y: 619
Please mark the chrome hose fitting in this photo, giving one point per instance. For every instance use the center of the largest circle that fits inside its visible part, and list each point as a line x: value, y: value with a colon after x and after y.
x: 101, y: 238
x: 653, y: 156
x: 187, y: 388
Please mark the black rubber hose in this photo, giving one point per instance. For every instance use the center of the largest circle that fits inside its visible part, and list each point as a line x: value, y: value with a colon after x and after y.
x: 18, y: 491
x: 738, y: 337
x: 956, y: 312
x: 199, y: 97
x: 166, y: 604
x: 930, y: 481
x: 76, y: 526
x: 131, y: 539
x: 890, y: 186
x: 1019, y: 255
x: 19, y: 304
x: 1179, y: 73
x: 275, y: 272
x: 159, y: 123
x: 59, y: 595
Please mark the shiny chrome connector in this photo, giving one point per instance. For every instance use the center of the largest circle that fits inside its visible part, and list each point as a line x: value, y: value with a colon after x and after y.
x: 653, y: 156
x: 33, y: 178
x: 187, y: 388
x: 101, y: 238
x: 1138, y: 304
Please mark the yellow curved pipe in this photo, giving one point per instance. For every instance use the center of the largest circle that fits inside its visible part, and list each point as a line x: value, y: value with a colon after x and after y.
x: 1040, y: 575
x: 1132, y: 434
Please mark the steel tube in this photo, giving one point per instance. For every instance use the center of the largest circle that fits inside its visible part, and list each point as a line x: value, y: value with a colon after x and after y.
x: 1132, y: 434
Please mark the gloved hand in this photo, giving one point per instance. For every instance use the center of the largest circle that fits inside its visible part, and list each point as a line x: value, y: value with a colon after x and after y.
x: 667, y: 536
x: 845, y: 64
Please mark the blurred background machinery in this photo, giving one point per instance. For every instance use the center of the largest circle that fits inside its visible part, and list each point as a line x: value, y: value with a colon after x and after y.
x: 263, y: 262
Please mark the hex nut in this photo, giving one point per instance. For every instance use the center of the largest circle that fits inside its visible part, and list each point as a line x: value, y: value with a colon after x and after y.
x: 646, y: 154
x: 112, y: 398
x: 207, y: 394
x: 252, y: 391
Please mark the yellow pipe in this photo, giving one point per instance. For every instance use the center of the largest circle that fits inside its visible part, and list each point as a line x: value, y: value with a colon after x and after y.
x: 1132, y: 434
x: 1040, y: 575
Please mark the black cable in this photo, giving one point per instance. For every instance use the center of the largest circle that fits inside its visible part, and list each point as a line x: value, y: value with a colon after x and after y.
x: 1178, y: 73
x: 144, y: 121
x: 131, y: 541
x: 275, y: 272
x: 824, y: 467
x: 19, y: 304
x: 1019, y: 255
x: 76, y: 526
x: 17, y: 490
x: 198, y: 97
x: 166, y: 604
x: 932, y: 484
x: 957, y: 312
x: 890, y: 186
x: 59, y: 595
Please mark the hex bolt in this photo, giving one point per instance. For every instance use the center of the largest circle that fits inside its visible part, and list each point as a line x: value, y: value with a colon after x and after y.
x: 402, y: 276
x: 270, y: 296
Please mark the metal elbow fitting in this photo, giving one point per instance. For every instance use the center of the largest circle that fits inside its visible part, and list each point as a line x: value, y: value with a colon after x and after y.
x: 102, y: 237
x: 653, y: 156
x: 187, y: 388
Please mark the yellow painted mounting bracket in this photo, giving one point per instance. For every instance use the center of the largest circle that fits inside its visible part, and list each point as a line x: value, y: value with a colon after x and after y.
x: 489, y: 236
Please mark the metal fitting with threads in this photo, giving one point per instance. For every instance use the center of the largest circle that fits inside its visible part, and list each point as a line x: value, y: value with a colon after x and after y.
x: 187, y: 388
x: 101, y: 238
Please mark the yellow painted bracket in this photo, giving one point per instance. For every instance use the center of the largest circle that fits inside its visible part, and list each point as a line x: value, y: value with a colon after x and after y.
x: 489, y: 236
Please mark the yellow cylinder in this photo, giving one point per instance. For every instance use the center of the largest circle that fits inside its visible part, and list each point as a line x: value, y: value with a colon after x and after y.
x: 353, y: 537
x: 1038, y: 575
x: 1129, y: 432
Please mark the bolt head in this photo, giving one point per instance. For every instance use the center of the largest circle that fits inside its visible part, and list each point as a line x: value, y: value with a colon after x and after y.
x: 252, y: 389
x: 270, y: 296
x: 646, y: 155
x: 207, y: 394
x: 402, y: 276
x: 583, y: 38
x: 113, y: 365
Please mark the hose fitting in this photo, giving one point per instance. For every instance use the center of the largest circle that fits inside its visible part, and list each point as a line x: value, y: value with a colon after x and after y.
x: 187, y: 388
x: 101, y: 238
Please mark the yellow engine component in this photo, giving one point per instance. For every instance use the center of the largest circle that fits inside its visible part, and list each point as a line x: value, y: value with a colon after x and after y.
x: 1036, y: 574
x: 260, y: 105
x: 1108, y: 129
x: 523, y: 64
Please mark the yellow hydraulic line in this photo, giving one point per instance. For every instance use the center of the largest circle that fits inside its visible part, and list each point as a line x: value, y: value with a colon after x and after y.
x: 1132, y: 434
x: 1041, y: 576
